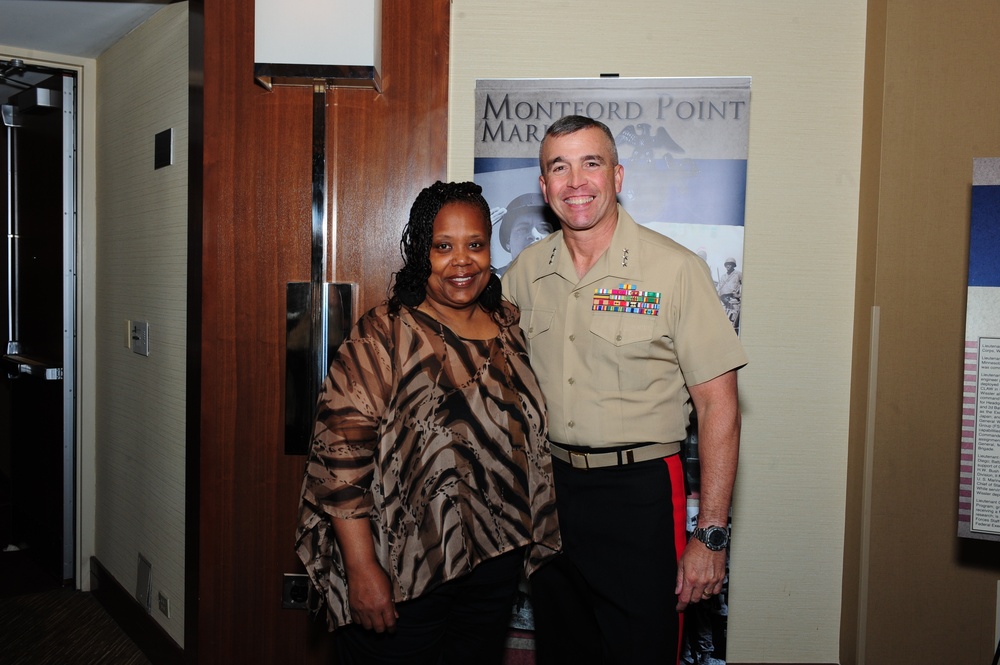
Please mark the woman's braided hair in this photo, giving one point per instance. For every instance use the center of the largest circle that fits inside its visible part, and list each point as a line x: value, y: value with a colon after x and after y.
x: 409, y: 284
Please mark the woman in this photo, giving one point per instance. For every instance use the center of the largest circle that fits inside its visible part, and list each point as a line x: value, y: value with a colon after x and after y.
x: 428, y: 488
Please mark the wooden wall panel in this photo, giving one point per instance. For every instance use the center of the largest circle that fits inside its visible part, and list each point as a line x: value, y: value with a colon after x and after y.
x: 256, y: 221
x: 390, y: 147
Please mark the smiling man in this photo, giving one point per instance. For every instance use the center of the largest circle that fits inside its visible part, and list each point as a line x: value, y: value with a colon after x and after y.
x: 627, y: 336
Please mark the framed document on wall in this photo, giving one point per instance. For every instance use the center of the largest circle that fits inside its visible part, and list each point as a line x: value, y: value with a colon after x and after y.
x: 979, y: 479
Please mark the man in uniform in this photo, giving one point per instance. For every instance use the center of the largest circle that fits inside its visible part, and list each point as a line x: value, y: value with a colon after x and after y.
x: 626, y: 334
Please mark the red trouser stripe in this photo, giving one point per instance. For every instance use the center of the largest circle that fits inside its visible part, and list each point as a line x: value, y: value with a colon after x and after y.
x: 679, y: 500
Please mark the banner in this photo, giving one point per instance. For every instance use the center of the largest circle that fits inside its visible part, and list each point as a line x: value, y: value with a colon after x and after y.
x: 979, y: 475
x: 683, y: 145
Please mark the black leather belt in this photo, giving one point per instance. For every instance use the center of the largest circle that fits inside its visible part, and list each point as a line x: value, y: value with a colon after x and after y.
x: 617, y: 457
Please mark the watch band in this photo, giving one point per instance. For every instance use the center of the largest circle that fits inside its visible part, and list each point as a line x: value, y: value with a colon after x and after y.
x: 715, y: 538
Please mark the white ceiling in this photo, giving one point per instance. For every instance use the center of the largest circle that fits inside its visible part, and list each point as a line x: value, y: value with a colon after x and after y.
x: 80, y: 28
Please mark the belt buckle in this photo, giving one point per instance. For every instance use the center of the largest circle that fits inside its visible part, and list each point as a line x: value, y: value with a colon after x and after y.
x: 578, y: 460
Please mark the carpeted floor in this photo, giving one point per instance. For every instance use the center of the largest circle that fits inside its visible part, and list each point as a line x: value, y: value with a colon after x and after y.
x: 62, y: 627
x: 42, y: 623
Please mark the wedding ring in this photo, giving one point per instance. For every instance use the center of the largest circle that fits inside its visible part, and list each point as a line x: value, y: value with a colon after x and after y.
x: 706, y: 594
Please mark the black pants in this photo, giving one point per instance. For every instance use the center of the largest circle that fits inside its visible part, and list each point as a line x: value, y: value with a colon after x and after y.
x: 609, y: 598
x: 460, y: 622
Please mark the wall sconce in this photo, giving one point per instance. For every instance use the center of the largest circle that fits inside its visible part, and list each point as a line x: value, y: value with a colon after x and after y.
x: 302, y: 42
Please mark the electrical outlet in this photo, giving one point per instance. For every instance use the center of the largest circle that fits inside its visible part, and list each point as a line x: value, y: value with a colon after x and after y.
x: 164, y: 604
x: 295, y: 592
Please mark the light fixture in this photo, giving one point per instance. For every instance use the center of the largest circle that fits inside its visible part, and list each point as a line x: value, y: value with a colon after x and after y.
x: 304, y: 42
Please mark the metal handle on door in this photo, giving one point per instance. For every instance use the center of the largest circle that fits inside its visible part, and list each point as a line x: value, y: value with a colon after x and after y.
x: 33, y: 367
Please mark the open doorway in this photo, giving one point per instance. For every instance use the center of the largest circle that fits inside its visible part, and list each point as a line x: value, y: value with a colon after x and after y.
x: 37, y: 376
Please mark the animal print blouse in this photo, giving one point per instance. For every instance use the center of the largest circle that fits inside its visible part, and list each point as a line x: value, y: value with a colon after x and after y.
x: 441, y: 442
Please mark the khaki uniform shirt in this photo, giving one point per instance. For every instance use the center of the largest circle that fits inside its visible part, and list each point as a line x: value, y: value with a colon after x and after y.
x: 614, y: 374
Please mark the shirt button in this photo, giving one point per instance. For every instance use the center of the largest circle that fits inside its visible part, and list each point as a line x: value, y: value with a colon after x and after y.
x: 570, y: 424
x: 618, y: 338
x: 572, y: 338
x: 576, y: 294
x: 572, y: 381
x: 531, y: 330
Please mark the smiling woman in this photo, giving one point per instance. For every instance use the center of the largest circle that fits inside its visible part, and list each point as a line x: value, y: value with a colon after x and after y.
x: 460, y: 270
x: 428, y: 488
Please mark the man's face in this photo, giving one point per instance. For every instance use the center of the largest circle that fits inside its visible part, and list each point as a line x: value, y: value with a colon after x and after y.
x: 730, y: 267
x: 579, y: 179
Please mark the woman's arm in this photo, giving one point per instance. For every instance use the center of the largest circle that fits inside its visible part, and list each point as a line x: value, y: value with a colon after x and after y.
x: 369, y: 590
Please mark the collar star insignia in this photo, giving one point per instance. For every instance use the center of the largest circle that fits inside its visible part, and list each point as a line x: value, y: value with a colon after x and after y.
x: 625, y: 258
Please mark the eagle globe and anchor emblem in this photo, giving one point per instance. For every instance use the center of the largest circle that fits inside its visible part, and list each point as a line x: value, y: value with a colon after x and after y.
x: 652, y: 170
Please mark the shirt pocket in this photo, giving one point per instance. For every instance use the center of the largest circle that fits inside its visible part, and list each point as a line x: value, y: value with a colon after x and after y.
x: 535, y: 322
x: 624, y: 351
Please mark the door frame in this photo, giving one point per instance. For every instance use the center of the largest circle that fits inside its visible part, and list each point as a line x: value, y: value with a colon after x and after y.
x: 83, y: 381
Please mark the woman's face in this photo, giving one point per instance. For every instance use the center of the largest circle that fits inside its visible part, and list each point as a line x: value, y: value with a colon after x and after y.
x: 460, y: 257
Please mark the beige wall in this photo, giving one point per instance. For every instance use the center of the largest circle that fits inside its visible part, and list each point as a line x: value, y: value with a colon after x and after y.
x: 142, y: 275
x: 932, y: 96
x: 806, y: 60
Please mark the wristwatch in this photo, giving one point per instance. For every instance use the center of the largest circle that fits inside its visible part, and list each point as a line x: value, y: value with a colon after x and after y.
x: 716, y: 538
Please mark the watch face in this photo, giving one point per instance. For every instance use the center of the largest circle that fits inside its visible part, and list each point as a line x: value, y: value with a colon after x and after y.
x: 717, y: 538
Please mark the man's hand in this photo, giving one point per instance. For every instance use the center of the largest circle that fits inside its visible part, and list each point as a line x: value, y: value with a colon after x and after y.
x: 700, y: 574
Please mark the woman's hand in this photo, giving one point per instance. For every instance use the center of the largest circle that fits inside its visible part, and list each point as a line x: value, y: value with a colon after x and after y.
x: 370, y: 598
x: 369, y: 592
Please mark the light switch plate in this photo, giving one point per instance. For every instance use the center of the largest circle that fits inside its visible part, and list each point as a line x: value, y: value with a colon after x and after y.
x: 140, y: 337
